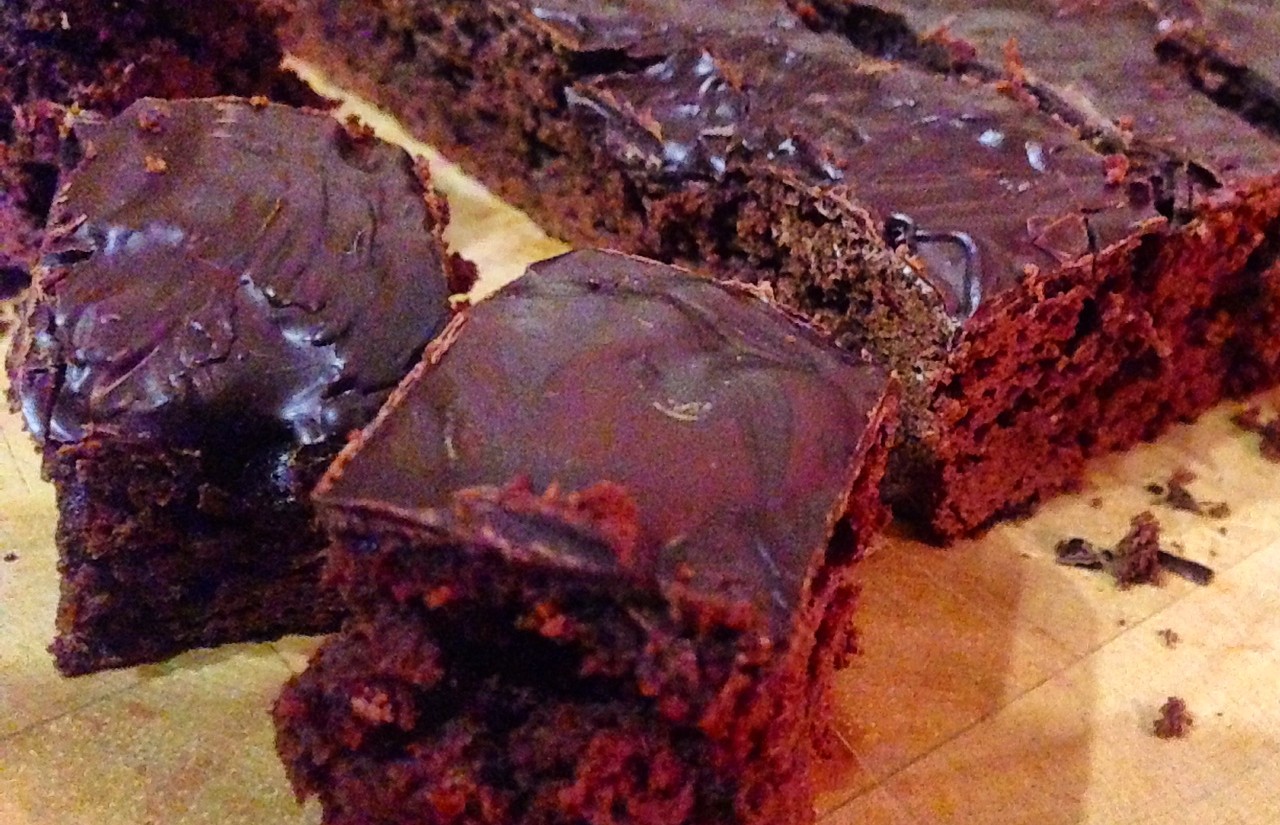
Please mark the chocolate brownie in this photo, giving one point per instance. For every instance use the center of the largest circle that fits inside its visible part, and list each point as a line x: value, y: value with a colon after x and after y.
x: 599, y: 554
x: 1045, y: 295
x: 227, y: 288
x: 1107, y: 69
x: 103, y: 56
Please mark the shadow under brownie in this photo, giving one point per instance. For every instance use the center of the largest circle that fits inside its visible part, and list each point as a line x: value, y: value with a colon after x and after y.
x: 1044, y: 297
x: 599, y: 553
x: 227, y: 289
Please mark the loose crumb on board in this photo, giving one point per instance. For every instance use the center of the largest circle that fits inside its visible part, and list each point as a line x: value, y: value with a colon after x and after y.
x: 1174, y: 494
x: 1169, y: 637
x: 11, y: 557
x: 1138, y: 558
x: 1175, y: 721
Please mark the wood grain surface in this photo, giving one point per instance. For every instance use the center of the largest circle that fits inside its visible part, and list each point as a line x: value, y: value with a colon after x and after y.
x: 996, y: 686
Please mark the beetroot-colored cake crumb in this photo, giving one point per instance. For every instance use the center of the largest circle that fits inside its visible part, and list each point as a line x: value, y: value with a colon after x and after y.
x: 1175, y: 721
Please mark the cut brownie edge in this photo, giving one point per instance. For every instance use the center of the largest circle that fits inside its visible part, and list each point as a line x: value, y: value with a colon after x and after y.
x: 162, y: 550
x: 488, y: 751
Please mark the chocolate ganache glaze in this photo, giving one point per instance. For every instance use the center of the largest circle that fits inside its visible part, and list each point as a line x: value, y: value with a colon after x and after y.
x: 736, y: 430
x: 1097, y: 66
x: 975, y: 187
x: 221, y: 260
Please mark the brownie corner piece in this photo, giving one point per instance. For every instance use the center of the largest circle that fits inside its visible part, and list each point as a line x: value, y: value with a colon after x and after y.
x: 227, y: 288
x: 617, y: 572
x: 62, y: 56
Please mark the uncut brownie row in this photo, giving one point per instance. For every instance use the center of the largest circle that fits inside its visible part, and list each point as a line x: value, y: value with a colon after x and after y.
x: 1058, y: 224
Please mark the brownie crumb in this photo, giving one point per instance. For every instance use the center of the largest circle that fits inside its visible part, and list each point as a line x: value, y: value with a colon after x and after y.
x: 1174, y: 493
x: 155, y: 165
x: 151, y: 120
x: 258, y: 102
x: 1169, y: 637
x: 1117, y: 169
x: 1137, y: 559
x: 1175, y: 720
x: 1250, y: 420
x: 10, y: 557
x: 1137, y: 556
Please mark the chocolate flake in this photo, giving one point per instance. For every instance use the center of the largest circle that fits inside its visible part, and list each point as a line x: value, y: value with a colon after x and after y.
x: 1174, y: 493
x: 1175, y: 720
x: 1077, y: 552
x: 10, y: 557
x: 1192, y: 571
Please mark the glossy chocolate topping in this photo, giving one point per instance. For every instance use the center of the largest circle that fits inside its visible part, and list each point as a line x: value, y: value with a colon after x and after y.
x: 1098, y: 63
x: 976, y: 187
x: 216, y: 269
x: 736, y: 431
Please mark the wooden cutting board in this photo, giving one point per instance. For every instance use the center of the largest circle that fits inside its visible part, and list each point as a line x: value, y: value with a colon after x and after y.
x: 996, y: 686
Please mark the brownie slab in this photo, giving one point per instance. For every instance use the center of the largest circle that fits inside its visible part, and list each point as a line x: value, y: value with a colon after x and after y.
x: 227, y: 288
x: 598, y: 551
x: 1045, y: 287
x: 1112, y: 72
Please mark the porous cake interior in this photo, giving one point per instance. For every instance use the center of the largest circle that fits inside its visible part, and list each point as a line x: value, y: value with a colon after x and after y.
x: 164, y: 549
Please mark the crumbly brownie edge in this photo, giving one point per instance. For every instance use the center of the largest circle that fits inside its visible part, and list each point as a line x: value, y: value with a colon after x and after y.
x: 161, y: 550
x: 432, y: 739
